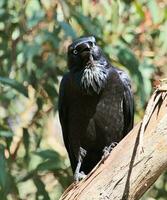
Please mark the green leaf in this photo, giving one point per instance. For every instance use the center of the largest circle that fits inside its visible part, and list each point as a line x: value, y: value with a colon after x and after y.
x: 115, y: 15
x: 3, y: 172
x: 163, y: 39
x: 6, y: 133
x: 65, y: 9
x: 41, y: 191
x: 155, y: 12
x: 89, y: 26
x: 14, y: 84
x: 139, y: 9
x: 147, y: 69
x: 68, y: 29
x: 28, y: 176
x: 50, y: 37
x: 30, y: 50
x: 2, y: 12
x: 85, y: 6
x: 50, y: 165
x: 40, y: 103
x: 51, y: 90
x: 26, y: 142
x: 34, y: 13
x: 48, y: 154
x: 2, y: 2
x: 127, y: 58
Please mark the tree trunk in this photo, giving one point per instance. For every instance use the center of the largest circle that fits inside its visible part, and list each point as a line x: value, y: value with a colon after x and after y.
x: 128, y: 172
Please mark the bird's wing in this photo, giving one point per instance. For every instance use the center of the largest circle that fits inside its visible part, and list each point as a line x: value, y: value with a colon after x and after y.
x: 63, y: 116
x: 128, y: 102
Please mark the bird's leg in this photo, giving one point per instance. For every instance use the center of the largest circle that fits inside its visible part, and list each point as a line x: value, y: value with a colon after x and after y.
x: 80, y: 175
x: 108, y: 149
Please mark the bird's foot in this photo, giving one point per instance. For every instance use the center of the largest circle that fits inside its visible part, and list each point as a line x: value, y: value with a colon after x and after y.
x: 82, y: 152
x: 78, y: 176
x: 108, y: 149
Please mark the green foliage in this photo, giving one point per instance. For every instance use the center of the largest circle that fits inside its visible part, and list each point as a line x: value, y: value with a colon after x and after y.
x: 15, y: 85
x: 34, y: 35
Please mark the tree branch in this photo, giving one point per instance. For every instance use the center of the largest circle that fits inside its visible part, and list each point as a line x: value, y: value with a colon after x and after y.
x: 128, y: 173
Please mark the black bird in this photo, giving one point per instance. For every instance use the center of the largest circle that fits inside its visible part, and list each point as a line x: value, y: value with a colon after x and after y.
x: 95, y: 105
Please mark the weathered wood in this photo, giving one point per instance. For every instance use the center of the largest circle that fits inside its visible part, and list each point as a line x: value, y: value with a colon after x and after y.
x: 128, y: 173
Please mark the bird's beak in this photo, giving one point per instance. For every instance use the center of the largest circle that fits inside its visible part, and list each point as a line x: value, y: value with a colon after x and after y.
x: 84, y: 47
x: 84, y: 50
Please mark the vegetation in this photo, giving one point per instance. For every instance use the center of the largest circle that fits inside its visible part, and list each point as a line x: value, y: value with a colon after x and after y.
x: 34, y: 35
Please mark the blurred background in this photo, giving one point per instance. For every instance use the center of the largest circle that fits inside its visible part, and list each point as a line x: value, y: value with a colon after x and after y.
x: 34, y: 35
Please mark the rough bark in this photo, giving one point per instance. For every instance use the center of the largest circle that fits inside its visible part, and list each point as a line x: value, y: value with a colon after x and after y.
x: 128, y: 172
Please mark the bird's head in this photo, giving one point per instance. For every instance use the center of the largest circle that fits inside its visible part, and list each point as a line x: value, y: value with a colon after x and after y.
x: 87, y: 62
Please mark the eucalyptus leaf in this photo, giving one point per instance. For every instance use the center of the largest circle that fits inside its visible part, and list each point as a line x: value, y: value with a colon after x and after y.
x: 3, y: 172
x: 155, y: 12
x: 15, y: 85
x: 50, y: 165
x: 68, y: 29
x: 6, y: 133
x: 41, y: 191
x: 48, y: 154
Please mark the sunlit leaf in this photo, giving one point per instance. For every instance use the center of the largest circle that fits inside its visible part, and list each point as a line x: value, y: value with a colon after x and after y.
x: 65, y: 9
x: 154, y: 9
x: 115, y: 15
x: 139, y: 8
x: 163, y: 38
x: 85, y: 6
x: 34, y: 13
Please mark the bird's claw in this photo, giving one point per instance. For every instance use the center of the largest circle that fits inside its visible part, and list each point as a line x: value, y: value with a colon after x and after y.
x: 108, y: 149
x: 82, y: 152
x: 78, y: 176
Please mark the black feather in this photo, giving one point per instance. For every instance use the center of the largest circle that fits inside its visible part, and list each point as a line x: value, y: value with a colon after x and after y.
x: 95, y: 104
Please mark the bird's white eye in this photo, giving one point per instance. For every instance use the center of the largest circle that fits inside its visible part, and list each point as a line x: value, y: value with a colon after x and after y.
x: 75, y: 52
